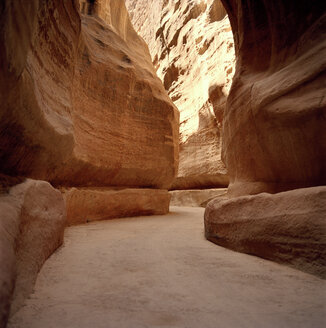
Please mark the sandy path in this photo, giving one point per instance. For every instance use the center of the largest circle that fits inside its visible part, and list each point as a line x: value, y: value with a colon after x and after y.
x: 159, y: 271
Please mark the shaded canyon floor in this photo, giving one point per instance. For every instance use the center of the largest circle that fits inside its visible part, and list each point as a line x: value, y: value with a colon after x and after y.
x: 160, y: 271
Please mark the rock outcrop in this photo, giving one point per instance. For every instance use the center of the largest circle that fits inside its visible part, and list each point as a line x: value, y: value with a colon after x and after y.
x: 191, y: 45
x: 274, y: 135
x: 287, y: 227
x: 81, y: 104
x: 32, y: 221
x: 90, y: 204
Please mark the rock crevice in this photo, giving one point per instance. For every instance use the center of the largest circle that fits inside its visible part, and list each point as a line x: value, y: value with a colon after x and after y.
x: 192, y: 49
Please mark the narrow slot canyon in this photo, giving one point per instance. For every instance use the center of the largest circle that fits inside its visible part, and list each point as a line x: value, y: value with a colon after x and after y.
x: 162, y: 163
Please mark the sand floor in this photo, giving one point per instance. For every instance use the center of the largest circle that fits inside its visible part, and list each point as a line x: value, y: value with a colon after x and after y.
x: 160, y: 271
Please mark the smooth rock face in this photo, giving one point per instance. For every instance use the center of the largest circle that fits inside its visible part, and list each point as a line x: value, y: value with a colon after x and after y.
x: 37, y: 50
x: 274, y: 135
x: 288, y: 227
x: 191, y: 45
x: 90, y: 204
x: 31, y: 228
x: 81, y: 104
x: 195, y: 197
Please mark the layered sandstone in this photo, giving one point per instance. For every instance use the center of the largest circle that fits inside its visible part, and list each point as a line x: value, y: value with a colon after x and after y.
x: 191, y: 45
x: 90, y: 204
x: 274, y: 135
x: 32, y: 221
x: 81, y: 104
x: 287, y: 227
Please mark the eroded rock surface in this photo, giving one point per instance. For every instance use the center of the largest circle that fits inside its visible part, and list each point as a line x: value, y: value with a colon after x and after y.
x: 274, y: 134
x: 191, y: 45
x: 89, y: 204
x: 81, y: 104
x: 288, y: 227
x: 32, y: 221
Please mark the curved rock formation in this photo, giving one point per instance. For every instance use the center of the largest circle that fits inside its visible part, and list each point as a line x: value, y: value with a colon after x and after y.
x: 33, y: 218
x: 81, y: 104
x: 288, y: 227
x: 274, y: 135
x: 191, y: 45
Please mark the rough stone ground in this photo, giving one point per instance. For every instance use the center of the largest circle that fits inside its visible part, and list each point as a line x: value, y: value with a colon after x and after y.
x: 160, y: 271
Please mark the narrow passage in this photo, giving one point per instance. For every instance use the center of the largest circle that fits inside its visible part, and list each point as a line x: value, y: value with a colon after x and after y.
x: 160, y: 271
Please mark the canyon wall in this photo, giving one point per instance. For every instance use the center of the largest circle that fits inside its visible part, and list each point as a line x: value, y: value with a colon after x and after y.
x: 274, y: 135
x: 81, y: 106
x: 191, y: 45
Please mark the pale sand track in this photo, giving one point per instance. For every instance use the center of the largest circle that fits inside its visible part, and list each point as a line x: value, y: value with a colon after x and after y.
x: 160, y: 271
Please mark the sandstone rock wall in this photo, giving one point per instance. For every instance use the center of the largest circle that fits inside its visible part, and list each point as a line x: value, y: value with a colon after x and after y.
x: 80, y: 106
x: 191, y: 45
x: 274, y: 134
x: 287, y: 227
x: 37, y: 50
x: 93, y: 204
x: 81, y: 102
x: 32, y: 220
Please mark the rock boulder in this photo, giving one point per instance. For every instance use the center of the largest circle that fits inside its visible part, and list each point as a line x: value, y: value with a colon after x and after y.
x: 90, y: 204
x: 287, y: 227
x: 32, y: 222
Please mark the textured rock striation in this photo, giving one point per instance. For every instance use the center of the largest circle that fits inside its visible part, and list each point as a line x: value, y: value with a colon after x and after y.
x: 32, y: 222
x: 90, y: 204
x: 287, y: 227
x: 81, y: 104
x: 274, y: 135
x: 191, y: 45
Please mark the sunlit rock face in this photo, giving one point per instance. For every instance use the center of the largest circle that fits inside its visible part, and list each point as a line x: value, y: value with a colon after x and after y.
x: 274, y: 134
x: 81, y: 104
x: 195, y: 197
x: 191, y: 45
